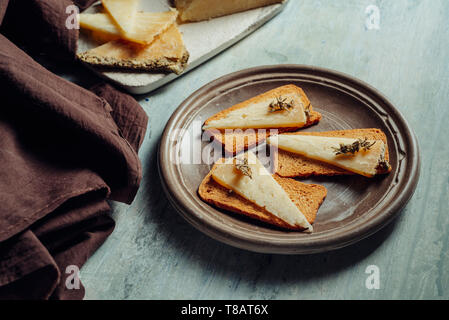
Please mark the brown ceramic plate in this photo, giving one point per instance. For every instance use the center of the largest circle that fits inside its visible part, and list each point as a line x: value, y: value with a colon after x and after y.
x: 354, y: 208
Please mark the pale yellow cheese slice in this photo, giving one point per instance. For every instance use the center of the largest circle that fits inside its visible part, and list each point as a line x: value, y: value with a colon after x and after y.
x: 257, y: 115
x: 166, y: 53
x: 123, y: 12
x: 197, y: 10
x: 100, y: 22
x: 364, y: 162
x: 261, y: 188
x: 147, y: 26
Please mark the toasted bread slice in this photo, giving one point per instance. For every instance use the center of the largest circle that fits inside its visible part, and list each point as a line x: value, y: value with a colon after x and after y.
x: 289, y: 164
x: 147, y: 25
x: 307, y: 197
x: 123, y: 12
x: 243, y: 130
x: 167, y: 53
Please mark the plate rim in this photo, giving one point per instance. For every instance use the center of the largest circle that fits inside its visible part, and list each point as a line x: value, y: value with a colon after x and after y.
x: 355, y: 233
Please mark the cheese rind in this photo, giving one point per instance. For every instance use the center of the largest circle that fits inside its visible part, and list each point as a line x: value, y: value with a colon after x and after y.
x: 255, y: 113
x: 148, y: 25
x: 123, y: 12
x: 198, y: 10
x: 364, y: 162
x: 261, y: 188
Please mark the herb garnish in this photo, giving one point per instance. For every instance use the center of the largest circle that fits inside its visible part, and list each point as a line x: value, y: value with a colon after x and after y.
x: 307, y: 111
x: 354, y: 147
x: 244, y: 168
x: 280, y: 104
x: 383, y: 164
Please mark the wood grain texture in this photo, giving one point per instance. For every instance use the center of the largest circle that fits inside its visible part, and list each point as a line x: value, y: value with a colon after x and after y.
x: 155, y: 254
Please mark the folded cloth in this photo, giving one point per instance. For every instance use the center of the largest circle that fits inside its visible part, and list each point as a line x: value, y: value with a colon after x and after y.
x: 63, y: 151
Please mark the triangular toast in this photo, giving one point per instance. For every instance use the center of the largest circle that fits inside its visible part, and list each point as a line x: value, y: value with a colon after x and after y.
x: 237, y: 140
x: 166, y: 53
x: 291, y: 165
x: 307, y: 197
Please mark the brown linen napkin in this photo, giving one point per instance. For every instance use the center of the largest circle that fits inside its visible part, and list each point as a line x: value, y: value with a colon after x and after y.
x: 63, y: 151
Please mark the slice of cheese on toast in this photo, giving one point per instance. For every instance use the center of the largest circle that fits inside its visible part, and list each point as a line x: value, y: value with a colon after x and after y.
x: 314, y: 153
x: 167, y: 53
x: 254, y: 183
x: 147, y: 25
x: 238, y: 127
x: 197, y: 10
x: 307, y: 197
x: 123, y: 12
x: 257, y: 112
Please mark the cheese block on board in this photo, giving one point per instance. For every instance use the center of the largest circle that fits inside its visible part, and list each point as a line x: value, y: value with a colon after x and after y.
x: 123, y: 12
x: 307, y: 197
x: 198, y: 10
x: 147, y: 25
x: 167, y: 53
x: 256, y: 184
x: 323, y: 149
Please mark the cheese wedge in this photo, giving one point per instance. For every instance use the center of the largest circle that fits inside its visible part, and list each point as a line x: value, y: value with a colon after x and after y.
x: 123, y: 12
x: 260, y: 188
x: 363, y: 162
x: 99, y: 22
x: 147, y: 25
x: 197, y: 10
x: 256, y: 113
x: 166, y: 53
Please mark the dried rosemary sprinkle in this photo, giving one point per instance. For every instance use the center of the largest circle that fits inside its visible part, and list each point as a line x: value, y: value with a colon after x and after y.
x: 383, y: 164
x: 356, y: 146
x: 244, y: 168
x: 307, y: 111
x: 279, y: 104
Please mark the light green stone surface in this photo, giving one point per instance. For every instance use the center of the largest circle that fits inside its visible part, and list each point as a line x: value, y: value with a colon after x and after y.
x: 154, y: 254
